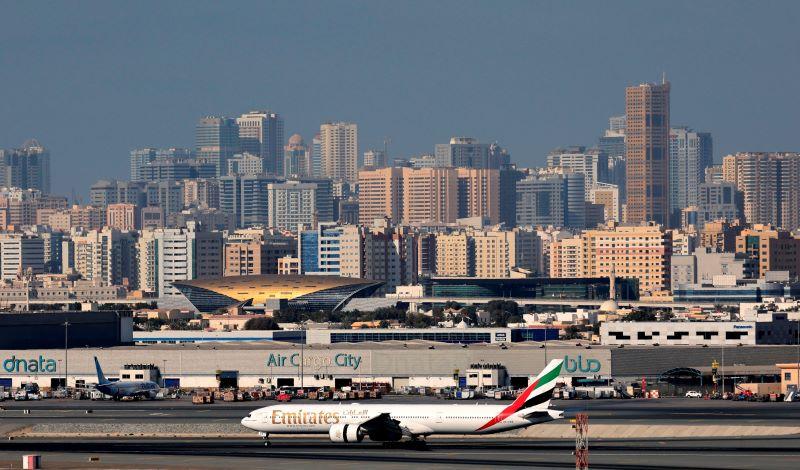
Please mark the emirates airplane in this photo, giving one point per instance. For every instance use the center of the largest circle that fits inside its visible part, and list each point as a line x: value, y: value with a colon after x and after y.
x: 351, y: 422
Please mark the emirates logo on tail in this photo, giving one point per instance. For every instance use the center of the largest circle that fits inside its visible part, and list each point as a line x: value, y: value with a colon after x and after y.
x: 537, y: 393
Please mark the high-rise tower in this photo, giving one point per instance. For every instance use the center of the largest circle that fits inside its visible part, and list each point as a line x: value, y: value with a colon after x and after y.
x: 339, y: 150
x: 647, y: 152
x: 261, y: 133
x: 216, y: 140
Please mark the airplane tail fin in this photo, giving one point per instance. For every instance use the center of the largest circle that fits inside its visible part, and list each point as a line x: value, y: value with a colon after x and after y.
x: 101, y: 378
x: 533, y: 400
x: 539, y: 393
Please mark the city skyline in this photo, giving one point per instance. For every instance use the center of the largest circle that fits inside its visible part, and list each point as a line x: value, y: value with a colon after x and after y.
x: 130, y: 65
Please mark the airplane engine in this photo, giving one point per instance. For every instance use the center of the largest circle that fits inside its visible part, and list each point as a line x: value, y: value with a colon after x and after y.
x: 346, y: 433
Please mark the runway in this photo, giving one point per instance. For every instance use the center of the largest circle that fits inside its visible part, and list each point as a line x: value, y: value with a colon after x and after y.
x: 304, y: 453
x: 496, y: 452
x: 600, y: 411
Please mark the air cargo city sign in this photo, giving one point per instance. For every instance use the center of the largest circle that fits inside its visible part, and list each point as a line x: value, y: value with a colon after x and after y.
x: 316, y: 362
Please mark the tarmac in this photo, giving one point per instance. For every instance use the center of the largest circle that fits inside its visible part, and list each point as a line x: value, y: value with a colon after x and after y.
x: 623, y: 434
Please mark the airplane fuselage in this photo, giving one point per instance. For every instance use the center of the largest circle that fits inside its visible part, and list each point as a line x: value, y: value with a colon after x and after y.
x: 120, y: 389
x: 412, y: 419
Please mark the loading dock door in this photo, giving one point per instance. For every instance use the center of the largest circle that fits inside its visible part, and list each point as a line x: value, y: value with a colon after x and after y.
x: 519, y: 383
x: 228, y: 379
x: 339, y: 383
x: 399, y: 382
x: 284, y: 382
x: 172, y: 383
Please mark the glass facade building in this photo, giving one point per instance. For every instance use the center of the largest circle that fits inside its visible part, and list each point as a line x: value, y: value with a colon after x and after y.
x: 530, y: 288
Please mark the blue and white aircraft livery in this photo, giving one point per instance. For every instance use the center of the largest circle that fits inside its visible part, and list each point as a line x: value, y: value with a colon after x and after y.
x: 392, y: 422
x: 124, y: 388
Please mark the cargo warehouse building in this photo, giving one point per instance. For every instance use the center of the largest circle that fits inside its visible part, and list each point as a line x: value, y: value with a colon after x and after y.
x: 412, y: 363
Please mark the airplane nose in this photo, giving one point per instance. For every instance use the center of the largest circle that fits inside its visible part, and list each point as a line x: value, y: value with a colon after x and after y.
x: 246, y: 422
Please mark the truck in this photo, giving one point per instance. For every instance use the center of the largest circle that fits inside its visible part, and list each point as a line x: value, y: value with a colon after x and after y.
x: 28, y: 391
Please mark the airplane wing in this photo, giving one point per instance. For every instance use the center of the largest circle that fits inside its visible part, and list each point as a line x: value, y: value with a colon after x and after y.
x: 382, y: 427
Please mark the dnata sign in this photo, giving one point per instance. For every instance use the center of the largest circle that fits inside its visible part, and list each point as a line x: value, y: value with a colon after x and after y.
x: 12, y: 365
x: 579, y: 364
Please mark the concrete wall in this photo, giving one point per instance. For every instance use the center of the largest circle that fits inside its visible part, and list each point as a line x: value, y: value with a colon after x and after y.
x: 197, y: 366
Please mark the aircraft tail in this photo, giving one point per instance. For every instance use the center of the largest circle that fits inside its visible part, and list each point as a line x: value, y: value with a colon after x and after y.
x: 539, y: 393
x: 101, y: 378
x: 533, y: 400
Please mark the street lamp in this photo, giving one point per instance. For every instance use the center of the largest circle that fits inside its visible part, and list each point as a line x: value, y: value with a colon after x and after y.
x: 797, y: 371
x: 66, y: 325
x: 302, y: 352
x: 722, y: 367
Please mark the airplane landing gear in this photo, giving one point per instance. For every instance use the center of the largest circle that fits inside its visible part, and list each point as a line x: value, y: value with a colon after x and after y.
x: 265, y: 436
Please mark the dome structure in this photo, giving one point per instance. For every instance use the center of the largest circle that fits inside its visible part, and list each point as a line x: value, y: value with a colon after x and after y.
x: 296, y: 139
x: 609, y: 306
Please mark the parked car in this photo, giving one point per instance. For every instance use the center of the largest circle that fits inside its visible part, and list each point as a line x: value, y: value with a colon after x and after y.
x: 284, y: 397
x: 694, y: 394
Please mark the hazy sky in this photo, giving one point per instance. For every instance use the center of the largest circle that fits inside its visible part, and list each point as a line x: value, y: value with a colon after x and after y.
x: 92, y: 80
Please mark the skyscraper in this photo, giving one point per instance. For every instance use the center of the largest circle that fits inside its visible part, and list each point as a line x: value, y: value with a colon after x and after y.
x: 216, y: 140
x: 245, y: 164
x: 379, y: 194
x: 246, y: 198
x: 339, y: 150
x: 690, y: 153
x: 554, y: 197
x: 770, y: 184
x: 316, y: 156
x: 374, y: 159
x: 647, y: 152
x: 612, y: 143
x: 292, y: 204
x: 498, y: 157
x: 186, y: 253
x: 479, y: 193
x: 261, y: 133
x: 464, y: 152
x: 139, y: 158
x: 297, y: 160
x: 430, y: 195
x: 593, y: 163
x: 27, y: 167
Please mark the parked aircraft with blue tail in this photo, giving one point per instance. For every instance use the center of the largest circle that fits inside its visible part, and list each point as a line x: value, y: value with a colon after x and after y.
x: 120, y: 389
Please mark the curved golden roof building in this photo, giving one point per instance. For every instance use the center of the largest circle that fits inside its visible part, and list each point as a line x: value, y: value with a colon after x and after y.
x: 301, y: 291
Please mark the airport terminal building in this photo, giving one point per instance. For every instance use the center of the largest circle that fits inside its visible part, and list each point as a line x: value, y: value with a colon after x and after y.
x: 397, y: 363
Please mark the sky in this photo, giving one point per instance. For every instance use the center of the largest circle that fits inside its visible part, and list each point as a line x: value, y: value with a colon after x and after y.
x: 92, y: 80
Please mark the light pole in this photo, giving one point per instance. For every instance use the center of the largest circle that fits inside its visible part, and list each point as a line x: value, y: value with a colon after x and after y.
x: 722, y: 367
x: 302, y: 352
x: 66, y: 354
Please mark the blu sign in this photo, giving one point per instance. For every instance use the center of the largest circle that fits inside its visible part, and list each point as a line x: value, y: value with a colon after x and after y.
x: 12, y: 365
x: 581, y: 365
